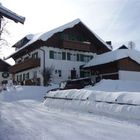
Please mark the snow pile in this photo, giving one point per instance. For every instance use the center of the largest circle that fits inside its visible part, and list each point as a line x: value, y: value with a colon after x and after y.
x: 125, y: 105
x: 116, y: 85
x: 70, y: 94
x: 14, y: 93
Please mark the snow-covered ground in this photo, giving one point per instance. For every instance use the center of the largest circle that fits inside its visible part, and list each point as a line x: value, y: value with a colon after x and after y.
x: 91, y: 113
x: 30, y: 120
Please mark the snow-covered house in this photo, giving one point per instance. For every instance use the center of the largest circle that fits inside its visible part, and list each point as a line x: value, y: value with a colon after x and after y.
x: 63, y: 49
x: 4, y: 71
x: 123, y: 64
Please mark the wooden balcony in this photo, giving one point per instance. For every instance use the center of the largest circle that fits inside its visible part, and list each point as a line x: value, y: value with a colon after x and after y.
x: 76, y: 45
x: 27, y: 64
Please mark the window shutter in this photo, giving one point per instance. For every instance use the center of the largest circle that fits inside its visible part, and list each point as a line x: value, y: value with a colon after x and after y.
x: 63, y: 56
x: 78, y: 57
x: 68, y: 56
x: 81, y: 57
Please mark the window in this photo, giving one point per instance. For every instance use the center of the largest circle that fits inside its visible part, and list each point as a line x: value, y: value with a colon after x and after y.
x: 23, y: 76
x: 78, y: 57
x: 55, y: 55
x: 59, y: 56
x: 68, y: 56
x: 65, y: 36
x: 74, y: 57
x: 20, y: 77
x: 63, y: 56
x: 81, y: 38
x: 55, y: 71
x: 35, y: 55
x: 62, y: 35
x: 51, y: 54
x: 81, y: 57
x: 91, y: 57
x: 17, y: 78
x: 86, y: 58
x: 27, y: 76
x: 72, y: 37
x: 59, y: 73
x: 35, y: 74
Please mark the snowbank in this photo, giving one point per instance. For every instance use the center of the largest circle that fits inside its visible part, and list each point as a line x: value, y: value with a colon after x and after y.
x: 116, y: 85
x: 125, y: 105
x: 15, y: 93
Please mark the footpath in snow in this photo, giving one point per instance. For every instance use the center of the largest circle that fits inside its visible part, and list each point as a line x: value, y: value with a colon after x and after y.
x: 31, y: 120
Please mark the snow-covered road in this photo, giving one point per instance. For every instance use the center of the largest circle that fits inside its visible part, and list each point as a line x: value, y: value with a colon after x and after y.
x: 31, y: 120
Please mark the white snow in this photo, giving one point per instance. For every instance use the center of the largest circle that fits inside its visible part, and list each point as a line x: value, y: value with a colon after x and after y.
x: 89, y: 115
x: 111, y: 98
x: 29, y: 36
x: 116, y: 86
x: 15, y: 93
x: 113, y: 56
x: 29, y: 120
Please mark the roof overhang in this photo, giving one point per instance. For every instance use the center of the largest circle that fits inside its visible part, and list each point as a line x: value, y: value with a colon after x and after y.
x: 11, y: 15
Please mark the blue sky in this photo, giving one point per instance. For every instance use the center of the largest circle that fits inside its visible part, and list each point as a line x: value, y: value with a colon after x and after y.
x: 115, y: 20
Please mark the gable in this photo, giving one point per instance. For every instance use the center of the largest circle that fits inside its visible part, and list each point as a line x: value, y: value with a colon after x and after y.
x: 128, y: 64
x: 78, y: 34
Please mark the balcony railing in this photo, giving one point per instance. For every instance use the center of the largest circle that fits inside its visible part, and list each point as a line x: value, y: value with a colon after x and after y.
x: 76, y: 45
x: 27, y: 64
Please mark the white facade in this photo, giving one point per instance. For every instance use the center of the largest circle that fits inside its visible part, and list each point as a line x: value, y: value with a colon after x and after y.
x: 61, y: 68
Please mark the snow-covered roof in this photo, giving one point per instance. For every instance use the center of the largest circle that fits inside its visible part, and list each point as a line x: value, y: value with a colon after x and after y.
x: 113, y: 56
x: 29, y: 36
x: 45, y: 36
x: 11, y: 15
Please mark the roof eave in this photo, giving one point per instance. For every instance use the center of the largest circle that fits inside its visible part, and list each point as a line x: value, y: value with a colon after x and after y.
x: 11, y: 15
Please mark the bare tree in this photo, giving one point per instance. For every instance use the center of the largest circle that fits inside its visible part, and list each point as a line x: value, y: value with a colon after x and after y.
x: 131, y: 45
x: 3, y: 33
x: 47, y: 75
